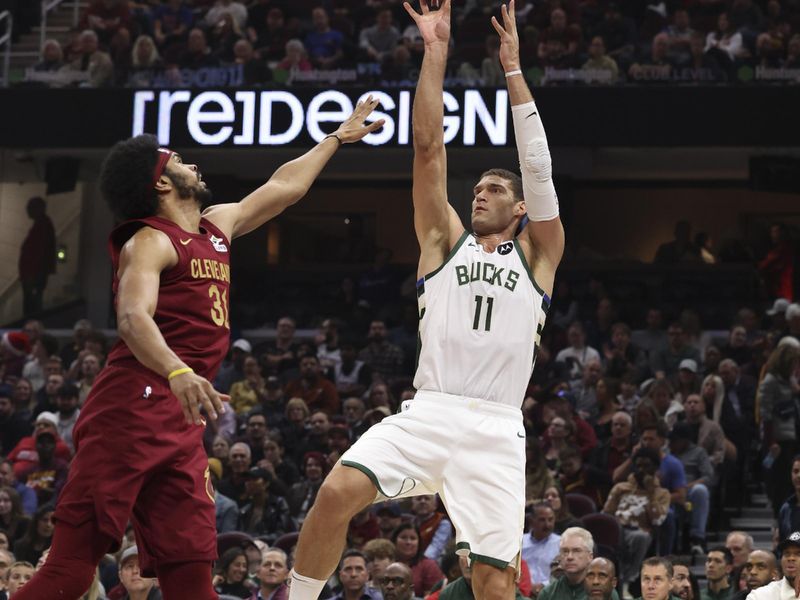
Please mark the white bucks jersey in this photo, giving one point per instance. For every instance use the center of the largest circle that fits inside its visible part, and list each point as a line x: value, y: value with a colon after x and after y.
x: 481, y: 315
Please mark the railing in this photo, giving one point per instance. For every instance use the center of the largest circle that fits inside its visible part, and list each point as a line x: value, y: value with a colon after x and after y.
x: 5, y: 40
x: 49, y: 5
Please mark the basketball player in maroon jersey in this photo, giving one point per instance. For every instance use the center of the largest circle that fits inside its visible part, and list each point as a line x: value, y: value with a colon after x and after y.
x: 139, y: 449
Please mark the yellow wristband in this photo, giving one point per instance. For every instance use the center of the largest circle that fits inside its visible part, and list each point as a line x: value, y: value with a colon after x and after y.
x: 177, y: 372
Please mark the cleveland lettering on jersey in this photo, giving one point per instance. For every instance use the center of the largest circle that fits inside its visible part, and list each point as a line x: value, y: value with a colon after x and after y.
x: 491, y: 274
x: 208, y: 268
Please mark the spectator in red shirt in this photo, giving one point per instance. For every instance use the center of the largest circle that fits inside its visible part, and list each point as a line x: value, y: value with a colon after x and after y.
x: 311, y: 386
x: 49, y: 473
x: 24, y: 455
x: 37, y: 257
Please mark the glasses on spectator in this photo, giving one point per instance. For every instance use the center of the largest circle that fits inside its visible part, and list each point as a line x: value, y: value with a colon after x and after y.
x: 395, y: 581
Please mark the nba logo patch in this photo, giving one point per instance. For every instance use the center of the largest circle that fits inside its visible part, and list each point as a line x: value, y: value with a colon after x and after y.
x: 217, y: 243
x: 505, y: 248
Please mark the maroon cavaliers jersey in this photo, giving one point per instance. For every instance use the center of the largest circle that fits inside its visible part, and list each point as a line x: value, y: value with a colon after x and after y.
x: 193, y: 296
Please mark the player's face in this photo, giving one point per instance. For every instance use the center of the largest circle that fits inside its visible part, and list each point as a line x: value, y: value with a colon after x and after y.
x: 656, y: 583
x: 790, y: 561
x: 759, y: 570
x: 273, y: 569
x: 187, y: 179
x: 494, y: 207
x: 681, y: 584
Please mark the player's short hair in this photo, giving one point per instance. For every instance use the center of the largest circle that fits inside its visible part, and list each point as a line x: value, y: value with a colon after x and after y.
x: 512, y: 178
x: 582, y: 534
x: 659, y: 561
x: 726, y: 553
x: 126, y: 178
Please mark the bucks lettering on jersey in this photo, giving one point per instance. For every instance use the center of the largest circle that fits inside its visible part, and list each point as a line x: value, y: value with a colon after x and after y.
x: 481, y: 316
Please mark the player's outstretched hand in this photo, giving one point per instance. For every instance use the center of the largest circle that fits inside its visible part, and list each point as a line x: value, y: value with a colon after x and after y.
x: 509, y: 38
x: 195, y: 392
x: 434, y: 25
x: 353, y: 128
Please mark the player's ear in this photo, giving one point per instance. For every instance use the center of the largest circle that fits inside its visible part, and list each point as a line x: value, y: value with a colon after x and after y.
x: 519, y: 208
x: 163, y: 185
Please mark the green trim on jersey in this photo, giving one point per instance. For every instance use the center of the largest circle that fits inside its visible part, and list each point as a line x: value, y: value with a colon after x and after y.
x: 495, y: 562
x: 449, y: 256
x: 528, y: 269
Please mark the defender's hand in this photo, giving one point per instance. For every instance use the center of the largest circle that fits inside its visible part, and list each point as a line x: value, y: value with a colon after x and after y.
x: 509, y: 39
x: 353, y: 128
x: 434, y: 25
x: 193, y: 391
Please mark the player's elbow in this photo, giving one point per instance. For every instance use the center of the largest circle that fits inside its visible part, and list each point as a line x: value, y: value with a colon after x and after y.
x: 427, y: 142
x: 128, y: 322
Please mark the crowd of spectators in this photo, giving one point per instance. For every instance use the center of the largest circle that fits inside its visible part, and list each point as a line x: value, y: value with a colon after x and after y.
x: 650, y: 433
x: 201, y: 43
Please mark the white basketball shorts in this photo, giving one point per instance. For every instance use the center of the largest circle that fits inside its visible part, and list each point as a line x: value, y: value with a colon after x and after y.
x: 469, y: 451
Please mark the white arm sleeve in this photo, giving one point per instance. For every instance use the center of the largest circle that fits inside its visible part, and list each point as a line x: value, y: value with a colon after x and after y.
x: 535, y: 164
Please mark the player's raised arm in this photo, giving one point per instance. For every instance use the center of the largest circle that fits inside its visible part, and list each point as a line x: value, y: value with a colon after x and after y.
x: 142, y: 260
x: 436, y: 224
x: 541, y: 203
x: 292, y: 180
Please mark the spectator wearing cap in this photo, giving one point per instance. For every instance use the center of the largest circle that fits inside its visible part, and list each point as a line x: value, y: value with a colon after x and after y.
x: 68, y: 412
x: 699, y: 479
x: 273, y: 574
x: 687, y: 380
x: 541, y: 545
x: 354, y: 577
x: 783, y: 588
x: 265, y: 514
x: 136, y: 586
x: 666, y: 361
x: 640, y: 505
x: 363, y: 528
x: 776, y: 315
x: 27, y: 496
x: 13, y: 425
x: 380, y: 553
x: 48, y: 474
x: 435, y: 529
x: 303, y: 493
x: 389, y: 515
x: 15, y: 346
x: 25, y: 453
x: 793, y: 320
x: 232, y: 368
x: 311, y: 386
x: 709, y: 434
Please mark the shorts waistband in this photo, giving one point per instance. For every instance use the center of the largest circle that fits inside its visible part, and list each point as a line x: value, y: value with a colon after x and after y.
x: 495, y: 408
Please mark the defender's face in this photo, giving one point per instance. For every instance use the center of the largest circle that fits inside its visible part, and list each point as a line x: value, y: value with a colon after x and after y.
x: 494, y: 207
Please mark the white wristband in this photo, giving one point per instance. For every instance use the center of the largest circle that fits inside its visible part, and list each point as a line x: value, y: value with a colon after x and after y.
x: 512, y: 73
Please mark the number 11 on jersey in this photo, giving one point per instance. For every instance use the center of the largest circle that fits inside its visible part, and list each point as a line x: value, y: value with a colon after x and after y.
x: 476, y: 321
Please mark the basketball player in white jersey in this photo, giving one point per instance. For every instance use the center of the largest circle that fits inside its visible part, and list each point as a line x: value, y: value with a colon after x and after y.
x: 483, y: 299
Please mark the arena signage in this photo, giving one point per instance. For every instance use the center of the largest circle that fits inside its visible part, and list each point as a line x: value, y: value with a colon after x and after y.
x: 279, y: 117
